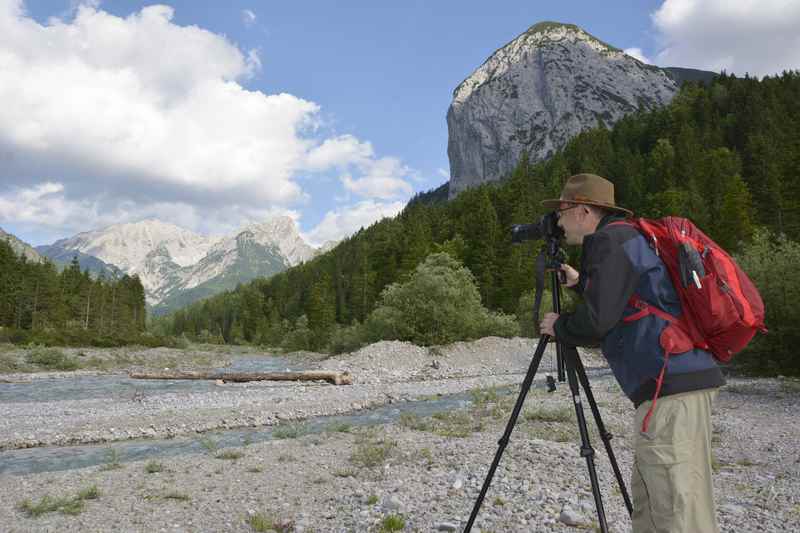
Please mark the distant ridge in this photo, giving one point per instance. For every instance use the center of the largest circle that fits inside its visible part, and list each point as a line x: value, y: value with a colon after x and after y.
x: 21, y: 247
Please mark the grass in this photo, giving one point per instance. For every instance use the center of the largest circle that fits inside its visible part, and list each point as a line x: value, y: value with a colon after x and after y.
x: 459, y: 423
x: 175, y: 495
x: 425, y: 455
x: 372, y: 500
x: 481, y: 397
x: 112, y: 460
x: 169, y: 495
x: 209, y: 444
x: 372, y: 450
x: 153, y: 467
x: 555, y: 432
x: 230, y: 455
x: 288, y: 431
x: 9, y: 363
x: 393, y: 522
x: 65, y: 505
x: 51, y: 359
x: 414, y: 422
x: 262, y: 523
x: 255, y: 469
x: 340, y: 427
x: 549, y: 414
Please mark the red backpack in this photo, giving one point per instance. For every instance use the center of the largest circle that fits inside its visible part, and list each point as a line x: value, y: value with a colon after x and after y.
x: 722, y: 309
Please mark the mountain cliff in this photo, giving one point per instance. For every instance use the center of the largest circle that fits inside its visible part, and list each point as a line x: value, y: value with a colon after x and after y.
x: 539, y: 91
x: 20, y: 247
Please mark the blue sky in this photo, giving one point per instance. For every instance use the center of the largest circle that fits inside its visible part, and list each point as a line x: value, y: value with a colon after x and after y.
x: 213, y: 114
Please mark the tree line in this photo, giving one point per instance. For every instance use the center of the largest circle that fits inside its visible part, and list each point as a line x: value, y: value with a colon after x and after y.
x: 725, y: 155
x: 40, y: 304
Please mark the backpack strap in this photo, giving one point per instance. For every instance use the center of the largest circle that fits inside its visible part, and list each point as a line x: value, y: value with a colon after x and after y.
x: 645, y: 309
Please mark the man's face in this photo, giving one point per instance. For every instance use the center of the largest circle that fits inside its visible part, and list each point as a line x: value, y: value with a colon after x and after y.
x: 570, y: 219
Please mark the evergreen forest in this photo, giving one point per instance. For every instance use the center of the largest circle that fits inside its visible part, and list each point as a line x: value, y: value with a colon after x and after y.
x: 39, y: 304
x: 725, y: 154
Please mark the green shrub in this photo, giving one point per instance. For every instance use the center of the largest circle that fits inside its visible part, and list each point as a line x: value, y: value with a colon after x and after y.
x: 439, y: 304
x: 51, y: 359
x: 771, y: 262
x: 299, y: 338
x: 393, y: 522
x: 347, y: 338
x: 153, y: 467
x: 527, y: 326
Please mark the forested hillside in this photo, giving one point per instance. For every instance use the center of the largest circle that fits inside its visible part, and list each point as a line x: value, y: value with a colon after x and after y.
x: 726, y: 155
x: 39, y: 304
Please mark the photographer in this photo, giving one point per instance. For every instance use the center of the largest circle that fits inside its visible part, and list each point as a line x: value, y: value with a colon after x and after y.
x: 671, y: 479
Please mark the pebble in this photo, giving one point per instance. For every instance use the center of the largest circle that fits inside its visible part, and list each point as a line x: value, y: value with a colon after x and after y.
x: 541, y: 483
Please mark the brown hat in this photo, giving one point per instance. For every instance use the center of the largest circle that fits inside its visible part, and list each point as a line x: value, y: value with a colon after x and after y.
x: 588, y: 189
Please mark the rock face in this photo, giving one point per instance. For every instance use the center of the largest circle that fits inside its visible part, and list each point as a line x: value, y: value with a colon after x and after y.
x: 20, y: 247
x: 539, y: 91
x: 177, y: 267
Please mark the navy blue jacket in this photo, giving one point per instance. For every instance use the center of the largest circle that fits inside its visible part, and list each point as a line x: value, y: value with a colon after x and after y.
x: 617, y: 262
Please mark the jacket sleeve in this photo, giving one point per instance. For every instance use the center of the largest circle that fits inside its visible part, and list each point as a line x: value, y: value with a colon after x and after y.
x: 610, y: 282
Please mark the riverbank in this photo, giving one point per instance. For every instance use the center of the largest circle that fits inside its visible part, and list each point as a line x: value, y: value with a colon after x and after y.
x: 424, y: 472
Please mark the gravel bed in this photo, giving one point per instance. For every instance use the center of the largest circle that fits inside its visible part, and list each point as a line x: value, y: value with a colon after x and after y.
x: 353, y: 480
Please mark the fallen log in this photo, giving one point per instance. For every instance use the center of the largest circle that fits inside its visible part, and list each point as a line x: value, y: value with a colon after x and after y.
x: 335, y: 378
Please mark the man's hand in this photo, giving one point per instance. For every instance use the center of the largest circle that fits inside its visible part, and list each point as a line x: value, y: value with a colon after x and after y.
x: 546, y: 325
x: 570, y: 275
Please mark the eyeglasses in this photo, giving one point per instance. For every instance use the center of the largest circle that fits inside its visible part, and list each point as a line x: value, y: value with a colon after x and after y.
x: 559, y: 211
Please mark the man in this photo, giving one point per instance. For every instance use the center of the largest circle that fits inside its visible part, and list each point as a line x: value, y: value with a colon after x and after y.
x: 671, y: 479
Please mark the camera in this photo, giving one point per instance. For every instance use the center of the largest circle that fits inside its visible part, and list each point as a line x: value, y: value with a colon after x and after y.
x: 546, y: 228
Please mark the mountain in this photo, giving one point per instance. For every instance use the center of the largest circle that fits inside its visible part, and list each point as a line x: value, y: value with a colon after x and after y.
x: 20, y: 247
x: 62, y: 257
x: 538, y: 92
x: 127, y: 245
x: 233, y: 260
x: 177, y: 267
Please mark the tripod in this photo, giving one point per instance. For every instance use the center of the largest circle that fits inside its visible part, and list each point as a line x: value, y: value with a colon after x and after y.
x: 568, y: 360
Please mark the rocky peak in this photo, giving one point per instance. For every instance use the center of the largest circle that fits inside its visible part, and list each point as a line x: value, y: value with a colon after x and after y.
x: 536, y: 93
x: 21, y: 248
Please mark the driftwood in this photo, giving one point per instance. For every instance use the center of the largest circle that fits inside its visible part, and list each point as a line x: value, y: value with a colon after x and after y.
x: 335, y: 378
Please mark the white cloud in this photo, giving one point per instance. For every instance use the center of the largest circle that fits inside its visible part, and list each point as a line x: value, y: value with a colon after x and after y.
x: 383, y: 179
x: 443, y: 173
x: 129, y: 115
x: 46, y: 207
x: 638, y: 54
x: 339, y: 152
x: 759, y: 37
x: 248, y: 17
x: 338, y: 224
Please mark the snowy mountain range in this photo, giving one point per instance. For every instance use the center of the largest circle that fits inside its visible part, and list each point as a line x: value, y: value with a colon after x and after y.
x: 177, y: 266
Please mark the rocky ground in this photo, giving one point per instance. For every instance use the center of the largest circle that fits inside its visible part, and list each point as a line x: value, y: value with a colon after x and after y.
x: 418, y: 474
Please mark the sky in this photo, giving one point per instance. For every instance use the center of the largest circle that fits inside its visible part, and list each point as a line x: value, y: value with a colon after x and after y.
x: 213, y: 115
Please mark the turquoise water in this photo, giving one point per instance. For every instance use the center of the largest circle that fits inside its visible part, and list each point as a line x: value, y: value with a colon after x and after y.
x: 49, y: 459
x: 121, y: 387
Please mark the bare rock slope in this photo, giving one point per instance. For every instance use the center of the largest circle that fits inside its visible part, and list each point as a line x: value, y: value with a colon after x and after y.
x: 539, y: 91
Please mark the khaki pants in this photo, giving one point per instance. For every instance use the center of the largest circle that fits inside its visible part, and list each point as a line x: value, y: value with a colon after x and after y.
x: 671, y: 481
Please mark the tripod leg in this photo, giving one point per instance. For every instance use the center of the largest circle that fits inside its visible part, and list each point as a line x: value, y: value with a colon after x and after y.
x: 604, y: 434
x: 503, y: 442
x: 586, y: 448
